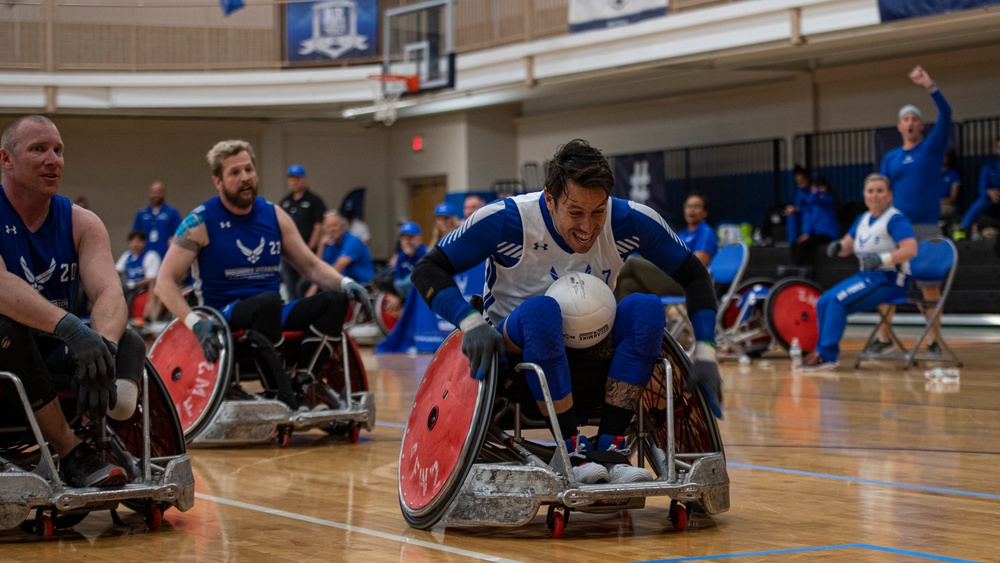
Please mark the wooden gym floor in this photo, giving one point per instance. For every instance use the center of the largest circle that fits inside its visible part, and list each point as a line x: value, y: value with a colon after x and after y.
x: 876, y: 464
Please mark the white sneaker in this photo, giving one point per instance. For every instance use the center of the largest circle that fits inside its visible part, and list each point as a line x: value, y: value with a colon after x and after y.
x: 622, y: 472
x: 590, y: 473
x: 587, y: 472
x: 625, y: 473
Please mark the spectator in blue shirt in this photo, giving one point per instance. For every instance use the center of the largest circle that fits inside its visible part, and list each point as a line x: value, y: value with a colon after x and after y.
x: 158, y: 220
x: 950, y: 185
x: 986, y: 208
x: 817, y: 211
x: 344, y: 251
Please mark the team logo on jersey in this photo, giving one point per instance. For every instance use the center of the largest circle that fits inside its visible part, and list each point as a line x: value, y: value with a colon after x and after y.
x: 37, y: 281
x: 541, y: 245
x: 10, y: 230
x: 225, y: 224
x: 252, y: 255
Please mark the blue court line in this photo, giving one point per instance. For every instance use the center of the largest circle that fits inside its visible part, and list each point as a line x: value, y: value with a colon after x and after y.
x: 391, y: 424
x: 817, y: 548
x: 866, y: 481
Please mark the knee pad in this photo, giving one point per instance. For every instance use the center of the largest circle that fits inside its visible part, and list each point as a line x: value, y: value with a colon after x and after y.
x: 128, y: 398
x: 638, y: 338
x: 536, y: 328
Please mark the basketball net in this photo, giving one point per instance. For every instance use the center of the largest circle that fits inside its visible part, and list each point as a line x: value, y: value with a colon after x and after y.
x: 388, y: 89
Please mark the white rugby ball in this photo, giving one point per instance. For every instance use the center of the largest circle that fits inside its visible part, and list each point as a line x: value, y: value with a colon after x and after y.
x: 588, y: 308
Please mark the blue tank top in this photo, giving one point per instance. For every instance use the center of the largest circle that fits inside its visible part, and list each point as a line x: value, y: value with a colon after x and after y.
x: 243, y: 254
x: 135, y: 270
x: 45, y: 259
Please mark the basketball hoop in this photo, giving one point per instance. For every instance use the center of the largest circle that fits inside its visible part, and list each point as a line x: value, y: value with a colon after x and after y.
x: 388, y: 89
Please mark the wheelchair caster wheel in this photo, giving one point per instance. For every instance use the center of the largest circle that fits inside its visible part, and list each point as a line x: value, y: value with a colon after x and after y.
x: 44, y: 527
x: 284, y: 438
x: 678, y: 516
x: 557, y: 520
x: 353, y: 434
x: 153, y: 517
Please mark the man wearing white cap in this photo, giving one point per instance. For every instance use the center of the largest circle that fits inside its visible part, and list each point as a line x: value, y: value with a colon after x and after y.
x: 915, y: 172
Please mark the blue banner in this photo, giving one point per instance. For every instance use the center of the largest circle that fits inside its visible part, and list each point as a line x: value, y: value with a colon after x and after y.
x: 585, y: 15
x: 641, y: 178
x: 891, y: 10
x: 331, y: 29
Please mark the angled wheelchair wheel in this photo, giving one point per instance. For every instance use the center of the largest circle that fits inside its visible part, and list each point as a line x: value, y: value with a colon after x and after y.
x: 790, y: 311
x: 196, y: 386
x: 695, y: 428
x: 385, y: 319
x: 137, y: 304
x: 445, y: 431
x: 332, y: 372
x: 166, y: 438
x: 757, y: 288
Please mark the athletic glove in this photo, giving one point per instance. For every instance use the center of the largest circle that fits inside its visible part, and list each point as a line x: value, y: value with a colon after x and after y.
x: 93, y: 399
x: 871, y: 262
x: 833, y: 248
x: 480, y: 343
x: 705, y: 373
x: 207, y: 334
x: 94, y: 379
x: 355, y: 291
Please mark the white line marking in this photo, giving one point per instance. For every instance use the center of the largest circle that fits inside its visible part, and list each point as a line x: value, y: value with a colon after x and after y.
x: 355, y: 529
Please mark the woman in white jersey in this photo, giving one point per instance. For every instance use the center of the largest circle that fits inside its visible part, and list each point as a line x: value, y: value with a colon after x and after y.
x: 882, y: 239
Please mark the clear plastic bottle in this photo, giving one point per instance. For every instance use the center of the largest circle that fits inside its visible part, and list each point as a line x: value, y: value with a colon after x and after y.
x: 975, y: 232
x: 795, y: 351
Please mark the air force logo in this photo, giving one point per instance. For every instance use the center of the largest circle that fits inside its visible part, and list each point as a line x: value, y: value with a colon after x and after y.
x: 37, y: 281
x: 252, y: 255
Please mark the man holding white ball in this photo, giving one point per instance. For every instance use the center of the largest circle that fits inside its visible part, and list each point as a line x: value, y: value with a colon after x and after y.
x: 572, y: 228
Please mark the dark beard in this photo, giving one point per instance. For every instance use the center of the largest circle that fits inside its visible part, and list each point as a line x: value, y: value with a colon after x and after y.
x: 236, y: 199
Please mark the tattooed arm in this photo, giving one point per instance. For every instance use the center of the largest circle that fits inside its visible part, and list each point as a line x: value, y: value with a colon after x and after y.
x: 189, y: 239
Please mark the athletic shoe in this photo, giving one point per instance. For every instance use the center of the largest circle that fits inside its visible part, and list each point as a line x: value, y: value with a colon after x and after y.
x: 584, y: 471
x: 815, y: 362
x: 621, y: 472
x: 934, y: 348
x: 83, y: 467
x: 879, y: 346
x: 958, y: 234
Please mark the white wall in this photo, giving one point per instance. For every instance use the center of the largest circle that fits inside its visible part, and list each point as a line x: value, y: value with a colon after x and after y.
x: 113, y: 160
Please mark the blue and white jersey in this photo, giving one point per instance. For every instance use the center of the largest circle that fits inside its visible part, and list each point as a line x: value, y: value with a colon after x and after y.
x: 138, y: 268
x: 525, y: 254
x: 243, y: 254
x: 877, y: 235
x: 405, y: 263
x: 46, y: 259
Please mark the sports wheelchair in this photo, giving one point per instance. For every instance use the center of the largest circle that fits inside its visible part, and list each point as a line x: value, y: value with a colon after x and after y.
x: 149, y: 446
x: 214, y: 408
x: 790, y: 312
x: 464, y: 459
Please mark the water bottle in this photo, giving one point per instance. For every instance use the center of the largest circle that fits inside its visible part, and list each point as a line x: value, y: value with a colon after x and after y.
x: 975, y: 233
x: 795, y: 351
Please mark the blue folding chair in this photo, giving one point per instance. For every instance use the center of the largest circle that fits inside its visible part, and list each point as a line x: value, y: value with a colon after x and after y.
x: 936, y: 260
x: 726, y: 267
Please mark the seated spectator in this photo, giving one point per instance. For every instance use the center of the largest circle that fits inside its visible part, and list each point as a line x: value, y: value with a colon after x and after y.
x: 395, y: 281
x: 344, y: 251
x: 817, y: 212
x: 985, y: 211
x: 950, y: 185
x: 472, y: 203
x: 138, y: 265
x: 639, y: 275
x: 793, y: 217
x: 446, y: 220
x: 883, y: 240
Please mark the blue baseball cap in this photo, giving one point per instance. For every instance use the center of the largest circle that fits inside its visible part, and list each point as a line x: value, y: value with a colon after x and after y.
x: 296, y: 170
x: 446, y: 209
x: 409, y: 228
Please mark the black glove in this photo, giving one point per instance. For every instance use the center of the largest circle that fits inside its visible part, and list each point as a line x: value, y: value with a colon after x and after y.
x: 207, y: 334
x: 833, y: 248
x: 480, y: 343
x: 356, y: 292
x: 705, y: 372
x: 95, y: 363
x: 871, y: 262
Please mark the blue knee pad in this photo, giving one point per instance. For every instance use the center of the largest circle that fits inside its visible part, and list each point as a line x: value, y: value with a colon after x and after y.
x: 536, y: 328
x: 638, y: 338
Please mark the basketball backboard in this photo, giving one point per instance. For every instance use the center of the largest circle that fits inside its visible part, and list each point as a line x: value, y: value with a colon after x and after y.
x: 418, y: 41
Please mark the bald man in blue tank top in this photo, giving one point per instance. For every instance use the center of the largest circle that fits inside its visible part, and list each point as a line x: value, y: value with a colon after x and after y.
x: 233, y: 244
x: 47, y: 247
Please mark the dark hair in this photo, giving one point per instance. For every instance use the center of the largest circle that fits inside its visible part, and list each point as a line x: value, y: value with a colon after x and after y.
x: 581, y: 163
x: 951, y: 157
x: 141, y: 235
x: 699, y: 195
x: 799, y: 169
